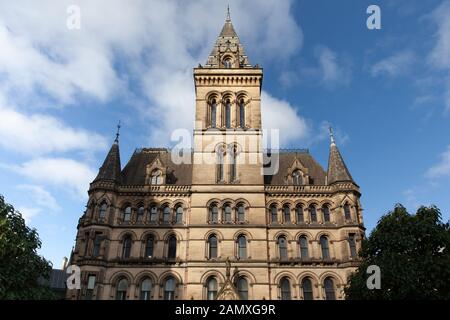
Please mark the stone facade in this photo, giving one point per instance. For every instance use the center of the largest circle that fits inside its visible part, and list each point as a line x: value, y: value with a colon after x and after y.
x: 220, y: 225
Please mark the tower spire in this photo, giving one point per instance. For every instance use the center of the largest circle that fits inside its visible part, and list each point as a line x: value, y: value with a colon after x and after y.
x: 331, y: 135
x: 337, y: 170
x: 228, y: 14
x: 117, y: 133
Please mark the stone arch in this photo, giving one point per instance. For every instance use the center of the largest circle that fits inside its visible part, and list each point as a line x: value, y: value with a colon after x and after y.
x: 215, y: 232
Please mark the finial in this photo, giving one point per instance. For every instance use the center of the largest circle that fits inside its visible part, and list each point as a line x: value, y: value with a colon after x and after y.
x: 228, y: 264
x: 117, y: 133
x: 331, y: 135
x: 228, y: 13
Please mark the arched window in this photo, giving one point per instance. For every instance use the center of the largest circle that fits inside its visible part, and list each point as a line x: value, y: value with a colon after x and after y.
x: 146, y: 289
x: 352, y: 245
x: 166, y: 214
x: 153, y: 213
x: 213, y: 113
x: 172, y: 250
x: 326, y: 213
x: 324, y: 247
x: 102, y: 211
x: 121, y: 290
x: 211, y: 286
x: 287, y: 214
x: 156, y: 177
x: 242, y: 247
x: 97, y: 244
x: 299, y: 213
x: 313, y: 213
x: 242, y: 113
x: 127, y: 213
x: 233, y: 164
x: 227, y: 63
x: 307, y: 289
x: 149, y: 246
x: 329, y: 289
x: 303, y: 241
x: 169, y: 289
x: 140, y: 213
x: 347, y: 213
x: 285, y: 288
x: 212, y: 247
x: 282, y: 248
x: 273, y: 214
x: 214, y: 213
x: 228, y: 114
x: 242, y: 287
x: 227, y: 212
x: 297, y: 178
x: 220, y: 163
x: 179, y: 214
x: 126, y: 247
x: 241, y: 212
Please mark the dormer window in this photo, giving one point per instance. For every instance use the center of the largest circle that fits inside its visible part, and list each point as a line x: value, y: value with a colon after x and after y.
x: 297, y: 178
x: 156, y: 177
x: 227, y: 63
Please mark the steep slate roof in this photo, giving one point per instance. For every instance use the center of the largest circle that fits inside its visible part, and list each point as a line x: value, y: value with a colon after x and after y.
x: 337, y: 170
x: 110, y: 170
x: 135, y: 170
x: 286, y: 159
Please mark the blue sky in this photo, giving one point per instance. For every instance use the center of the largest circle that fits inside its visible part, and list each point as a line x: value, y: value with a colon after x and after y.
x: 386, y: 92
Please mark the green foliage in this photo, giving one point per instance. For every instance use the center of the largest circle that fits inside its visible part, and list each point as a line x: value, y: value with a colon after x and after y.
x: 413, y: 253
x: 20, y: 265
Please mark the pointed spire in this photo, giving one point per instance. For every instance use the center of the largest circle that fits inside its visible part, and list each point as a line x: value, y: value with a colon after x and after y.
x: 331, y: 135
x: 337, y: 170
x: 228, y: 46
x: 110, y: 169
x: 117, y: 133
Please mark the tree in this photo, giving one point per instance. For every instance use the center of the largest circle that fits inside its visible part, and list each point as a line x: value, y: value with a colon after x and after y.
x: 413, y: 253
x: 21, y: 268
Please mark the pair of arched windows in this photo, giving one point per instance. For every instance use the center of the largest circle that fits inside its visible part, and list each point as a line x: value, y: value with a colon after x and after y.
x: 221, y: 152
x: 241, y: 247
x: 227, y: 213
x: 156, y: 177
x: 297, y: 178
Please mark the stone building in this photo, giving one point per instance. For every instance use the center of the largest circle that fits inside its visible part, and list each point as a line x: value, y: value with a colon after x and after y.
x: 231, y: 221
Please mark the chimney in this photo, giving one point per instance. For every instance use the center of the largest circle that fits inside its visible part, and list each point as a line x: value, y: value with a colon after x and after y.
x: 64, y: 263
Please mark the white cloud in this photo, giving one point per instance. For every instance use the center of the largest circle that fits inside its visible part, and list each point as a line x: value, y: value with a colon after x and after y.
x: 439, y: 56
x: 394, y: 65
x: 159, y: 40
x: 340, y: 137
x: 38, y: 134
x: 28, y: 213
x: 66, y: 173
x: 279, y: 114
x: 442, y: 168
x: 40, y: 196
x: 332, y: 71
